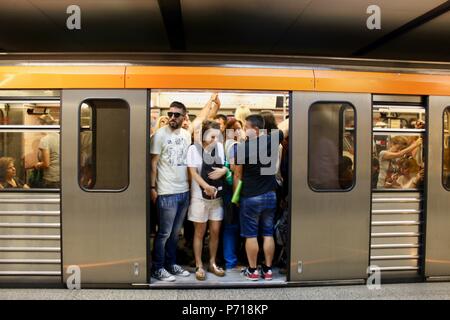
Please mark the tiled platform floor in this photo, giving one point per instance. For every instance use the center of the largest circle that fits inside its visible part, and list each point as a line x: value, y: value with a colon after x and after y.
x: 388, y: 291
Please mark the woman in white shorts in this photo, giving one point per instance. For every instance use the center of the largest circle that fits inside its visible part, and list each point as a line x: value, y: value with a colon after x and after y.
x: 206, y: 202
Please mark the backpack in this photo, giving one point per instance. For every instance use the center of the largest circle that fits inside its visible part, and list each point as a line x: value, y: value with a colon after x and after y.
x: 282, y: 229
x: 36, y: 179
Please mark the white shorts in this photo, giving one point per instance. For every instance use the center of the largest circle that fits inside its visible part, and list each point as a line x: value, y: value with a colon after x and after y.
x: 202, y: 210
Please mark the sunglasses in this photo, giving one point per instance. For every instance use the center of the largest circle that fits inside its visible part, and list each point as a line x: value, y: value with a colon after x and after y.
x: 174, y: 114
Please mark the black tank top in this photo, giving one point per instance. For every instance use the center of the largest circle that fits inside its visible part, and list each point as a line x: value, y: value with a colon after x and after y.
x: 210, y: 160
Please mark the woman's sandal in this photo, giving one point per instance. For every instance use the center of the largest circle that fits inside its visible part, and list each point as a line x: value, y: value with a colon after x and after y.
x: 218, y: 271
x: 200, y: 274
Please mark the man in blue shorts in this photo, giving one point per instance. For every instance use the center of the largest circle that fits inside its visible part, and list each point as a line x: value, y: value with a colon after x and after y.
x: 255, y: 167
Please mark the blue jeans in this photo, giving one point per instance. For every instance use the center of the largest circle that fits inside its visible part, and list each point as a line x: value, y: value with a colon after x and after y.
x: 230, y: 230
x: 172, y: 210
x: 230, y: 243
x: 257, y: 215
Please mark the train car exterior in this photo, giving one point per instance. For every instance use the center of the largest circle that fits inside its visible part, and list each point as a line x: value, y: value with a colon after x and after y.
x: 337, y: 235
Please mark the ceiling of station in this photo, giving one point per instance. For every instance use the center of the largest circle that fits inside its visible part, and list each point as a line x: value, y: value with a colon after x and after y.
x: 410, y: 29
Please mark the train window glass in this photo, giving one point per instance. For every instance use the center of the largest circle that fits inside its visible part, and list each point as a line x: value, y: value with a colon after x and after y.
x: 397, y: 156
x: 398, y: 161
x: 104, y: 144
x: 398, y: 117
x: 29, y: 159
x: 331, y: 146
x: 446, y: 150
x: 29, y: 113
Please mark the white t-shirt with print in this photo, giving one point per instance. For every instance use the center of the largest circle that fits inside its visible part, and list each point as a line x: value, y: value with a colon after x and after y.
x: 171, y: 146
x: 194, y: 160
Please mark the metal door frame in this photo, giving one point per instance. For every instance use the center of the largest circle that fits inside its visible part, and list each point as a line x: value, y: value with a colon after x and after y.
x: 437, y: 223
x: 352, y: 268
x: 107, y: 257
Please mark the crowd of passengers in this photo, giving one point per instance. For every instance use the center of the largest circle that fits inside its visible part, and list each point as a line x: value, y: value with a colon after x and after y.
x: 226, y: 174
x: 400, y: 166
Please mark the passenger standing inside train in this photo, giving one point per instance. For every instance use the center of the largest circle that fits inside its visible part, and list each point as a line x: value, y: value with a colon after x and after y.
x: 49, y: 155
x: 270, y: 124
x: 411, y: 174
x: 222, y: 120
x: 241, y: 113
x: 162, y: 121
x: 398, y: 148
x: 186, y: 123
x: 256, y: 168
x: 206, y: 167
x: 208, y: 112
x: 233, y: 135
x: 170, y: 190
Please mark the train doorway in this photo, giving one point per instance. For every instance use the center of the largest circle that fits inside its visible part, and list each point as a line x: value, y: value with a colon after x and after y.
x: 398, y: 187
x: 229, y: 109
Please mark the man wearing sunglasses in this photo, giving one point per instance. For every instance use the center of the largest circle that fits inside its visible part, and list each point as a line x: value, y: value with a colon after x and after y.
x: 170, y: 191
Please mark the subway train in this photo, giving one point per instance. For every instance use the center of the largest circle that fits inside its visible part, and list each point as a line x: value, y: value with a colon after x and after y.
x: 389, y: 218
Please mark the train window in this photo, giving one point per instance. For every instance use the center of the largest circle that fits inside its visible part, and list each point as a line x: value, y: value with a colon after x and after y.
x: 446, y: 150
x: 397, y: 161
x: 331, y: 146
x: 29, y: 113
x: 398, y: 117
x: 29, y: 145
x: 104, y: 145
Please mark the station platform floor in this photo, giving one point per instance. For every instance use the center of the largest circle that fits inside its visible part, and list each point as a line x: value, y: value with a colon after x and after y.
x: 409, y: 291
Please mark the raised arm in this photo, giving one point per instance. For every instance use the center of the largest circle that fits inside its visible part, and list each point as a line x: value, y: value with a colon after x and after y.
x: 209, y: 111
x: 394, y: 155
x: 215, y: 106
x: 210, y: 108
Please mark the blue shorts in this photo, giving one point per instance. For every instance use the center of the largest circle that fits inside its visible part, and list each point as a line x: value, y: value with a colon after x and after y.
x: 257, y: 214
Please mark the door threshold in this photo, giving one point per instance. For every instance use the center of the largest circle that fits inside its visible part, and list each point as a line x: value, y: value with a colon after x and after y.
x: 216, y: 284
x: 232, y: 279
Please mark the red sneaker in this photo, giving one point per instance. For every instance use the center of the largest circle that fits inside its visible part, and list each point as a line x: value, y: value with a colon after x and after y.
x: 266, y: 275
x: 253, y: 276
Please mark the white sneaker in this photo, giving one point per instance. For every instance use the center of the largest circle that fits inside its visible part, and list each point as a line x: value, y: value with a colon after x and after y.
x: 177, y: 270
x: 163, y: 275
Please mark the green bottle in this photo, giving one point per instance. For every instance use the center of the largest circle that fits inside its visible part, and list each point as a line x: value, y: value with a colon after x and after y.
x: 229, y: 174
x: 237, y: 193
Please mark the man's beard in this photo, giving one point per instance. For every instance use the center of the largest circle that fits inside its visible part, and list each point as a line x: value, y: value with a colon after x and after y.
x: 174, y: 124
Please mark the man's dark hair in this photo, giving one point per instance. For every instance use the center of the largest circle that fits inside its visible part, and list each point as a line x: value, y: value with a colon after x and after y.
x: 256, y: 121
x: 269, y: 120
x: 221, y: 116
x: 179, y: 105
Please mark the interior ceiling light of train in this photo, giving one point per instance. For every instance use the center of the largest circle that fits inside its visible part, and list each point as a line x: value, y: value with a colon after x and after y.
x: 382, y: 29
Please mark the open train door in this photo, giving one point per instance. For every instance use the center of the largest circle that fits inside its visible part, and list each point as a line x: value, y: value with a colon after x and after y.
x: 330, y: 189
x: 104, y: 186
x: 437, y: 243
